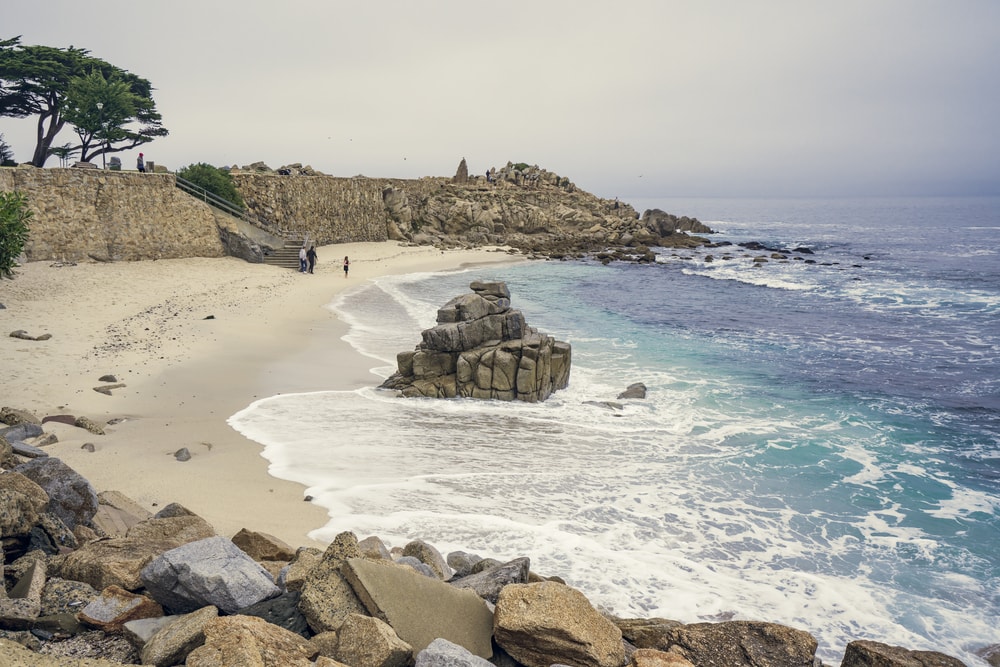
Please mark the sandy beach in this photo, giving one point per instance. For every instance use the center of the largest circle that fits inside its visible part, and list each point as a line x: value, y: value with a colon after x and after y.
x: 193, y: 341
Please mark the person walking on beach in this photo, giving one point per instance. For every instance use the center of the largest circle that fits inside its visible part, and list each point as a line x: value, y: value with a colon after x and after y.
x: 311, y: 257
x: 140, y: 164
x: 303, y: 259
x: 347, y: 265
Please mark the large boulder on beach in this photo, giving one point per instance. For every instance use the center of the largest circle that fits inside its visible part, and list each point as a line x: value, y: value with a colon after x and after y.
x: 482, y: 348
x: 248, y: 640
x: 546, y: 623
x: 327, y: 598
x: 212, y: 571
x: 71, y: 497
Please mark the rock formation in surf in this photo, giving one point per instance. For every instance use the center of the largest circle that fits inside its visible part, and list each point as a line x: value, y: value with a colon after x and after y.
x: 483, y: 348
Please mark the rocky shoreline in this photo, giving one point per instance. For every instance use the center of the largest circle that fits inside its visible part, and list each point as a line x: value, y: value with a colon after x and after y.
x: 94, y: 579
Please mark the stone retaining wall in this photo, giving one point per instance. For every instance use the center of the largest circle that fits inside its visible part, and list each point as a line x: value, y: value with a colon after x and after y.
x: 328, y: 209
x: 109, y: 215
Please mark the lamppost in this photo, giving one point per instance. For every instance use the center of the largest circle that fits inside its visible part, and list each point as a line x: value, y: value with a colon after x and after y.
x: 100, y: 112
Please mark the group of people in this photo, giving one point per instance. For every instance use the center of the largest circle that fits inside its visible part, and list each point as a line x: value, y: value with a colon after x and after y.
x: 307, y: 260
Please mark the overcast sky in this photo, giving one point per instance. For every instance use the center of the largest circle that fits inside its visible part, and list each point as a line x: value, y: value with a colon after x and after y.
x: 627, y: 98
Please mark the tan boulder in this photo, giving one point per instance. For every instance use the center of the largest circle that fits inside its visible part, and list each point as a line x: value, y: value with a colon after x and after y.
x: 261, y: 546
x: 545, y: 623
x: 248, y: 641
x: 21, y: 503
x: 178, y: 530
x: 650, y: 657
x: 171, y: 644
x: 112, y: 562
x: 364, y: 641
x: 327, y: 599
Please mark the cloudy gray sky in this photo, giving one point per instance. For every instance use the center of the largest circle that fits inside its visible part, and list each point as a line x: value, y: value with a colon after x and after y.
x: 632, y: 98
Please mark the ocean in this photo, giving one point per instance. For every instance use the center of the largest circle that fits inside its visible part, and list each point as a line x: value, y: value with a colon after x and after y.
x: 819, y: 446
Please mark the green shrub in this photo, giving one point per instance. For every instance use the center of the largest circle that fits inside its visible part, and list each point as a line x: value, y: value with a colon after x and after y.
x: 215, y: 180
x: 521, y: 166
x: 6, y: 154
x: 14, y: 216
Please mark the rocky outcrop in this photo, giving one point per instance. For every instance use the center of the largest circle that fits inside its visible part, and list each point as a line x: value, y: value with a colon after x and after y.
x: 113, y: 215
x: 482, y: 348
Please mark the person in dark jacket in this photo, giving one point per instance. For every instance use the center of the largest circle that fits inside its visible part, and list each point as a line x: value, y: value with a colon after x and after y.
x: 311, y: 258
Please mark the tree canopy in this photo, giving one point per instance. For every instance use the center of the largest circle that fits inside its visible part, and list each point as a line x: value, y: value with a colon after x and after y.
x: 102, y: 102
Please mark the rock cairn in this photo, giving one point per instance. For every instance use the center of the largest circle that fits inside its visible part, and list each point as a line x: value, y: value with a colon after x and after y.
x: 483, y: 348
x: 95, y: 580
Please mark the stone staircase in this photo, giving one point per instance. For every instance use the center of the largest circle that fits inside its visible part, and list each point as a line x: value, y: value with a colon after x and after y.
x: 286, y: 256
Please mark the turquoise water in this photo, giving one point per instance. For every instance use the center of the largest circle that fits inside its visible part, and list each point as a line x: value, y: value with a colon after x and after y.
x: 820, y: 445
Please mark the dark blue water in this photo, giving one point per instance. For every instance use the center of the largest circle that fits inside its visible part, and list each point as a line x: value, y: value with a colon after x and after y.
x: 820, y: 445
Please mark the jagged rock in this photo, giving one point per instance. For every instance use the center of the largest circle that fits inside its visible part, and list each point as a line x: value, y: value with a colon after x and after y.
x: 71, y: 497
x: 107, y: 378
x: 487, y: 584
x: 430, y: 557
x: 182, y: 454
x: 171, y: 644
x: 15, y: 654
x: 97, y: 644
x: 546, y: 623
x: 746, y: 643
x: 646, y: 632
x: 293, y: 576
x: 261, y: 546
x: 106, y: 389
x: 461, y: 174
x: 115, y: 606
x: 282, y: 611
x: 238, y: 641
x: 62, y: 596
x: 363, y: 641
x: 636, y: 390
x: 211, y: 571
x: 20, y: 607
x: 442, y: 653
x: 864, y: 653
x: 665, y: 224
x: 462, y: 563
x: 22, y: 501
x: 481, y: 348
x: 327, y: 598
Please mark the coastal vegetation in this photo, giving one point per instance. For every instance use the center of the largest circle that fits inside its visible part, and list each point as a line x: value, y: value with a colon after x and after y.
x: 14, y: 216
x: 215, y: 180
x: 110, y: 109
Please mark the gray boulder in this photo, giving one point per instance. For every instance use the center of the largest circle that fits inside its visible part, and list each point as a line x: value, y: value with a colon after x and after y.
x: 488, y: 583
x: 212, y: 571
x: 71, y: 497
x: 429, y: 556
x: 442, y: 653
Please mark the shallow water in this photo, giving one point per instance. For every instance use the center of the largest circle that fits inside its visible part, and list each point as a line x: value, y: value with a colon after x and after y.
x: 820, y: 445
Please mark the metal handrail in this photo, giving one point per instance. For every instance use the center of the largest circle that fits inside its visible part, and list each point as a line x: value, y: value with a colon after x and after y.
x: 218, y: 202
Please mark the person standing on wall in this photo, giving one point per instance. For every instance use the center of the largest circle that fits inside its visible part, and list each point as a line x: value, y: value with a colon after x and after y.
x: 347, y: 265
x: 311, y: 256
x: 140, y: 164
